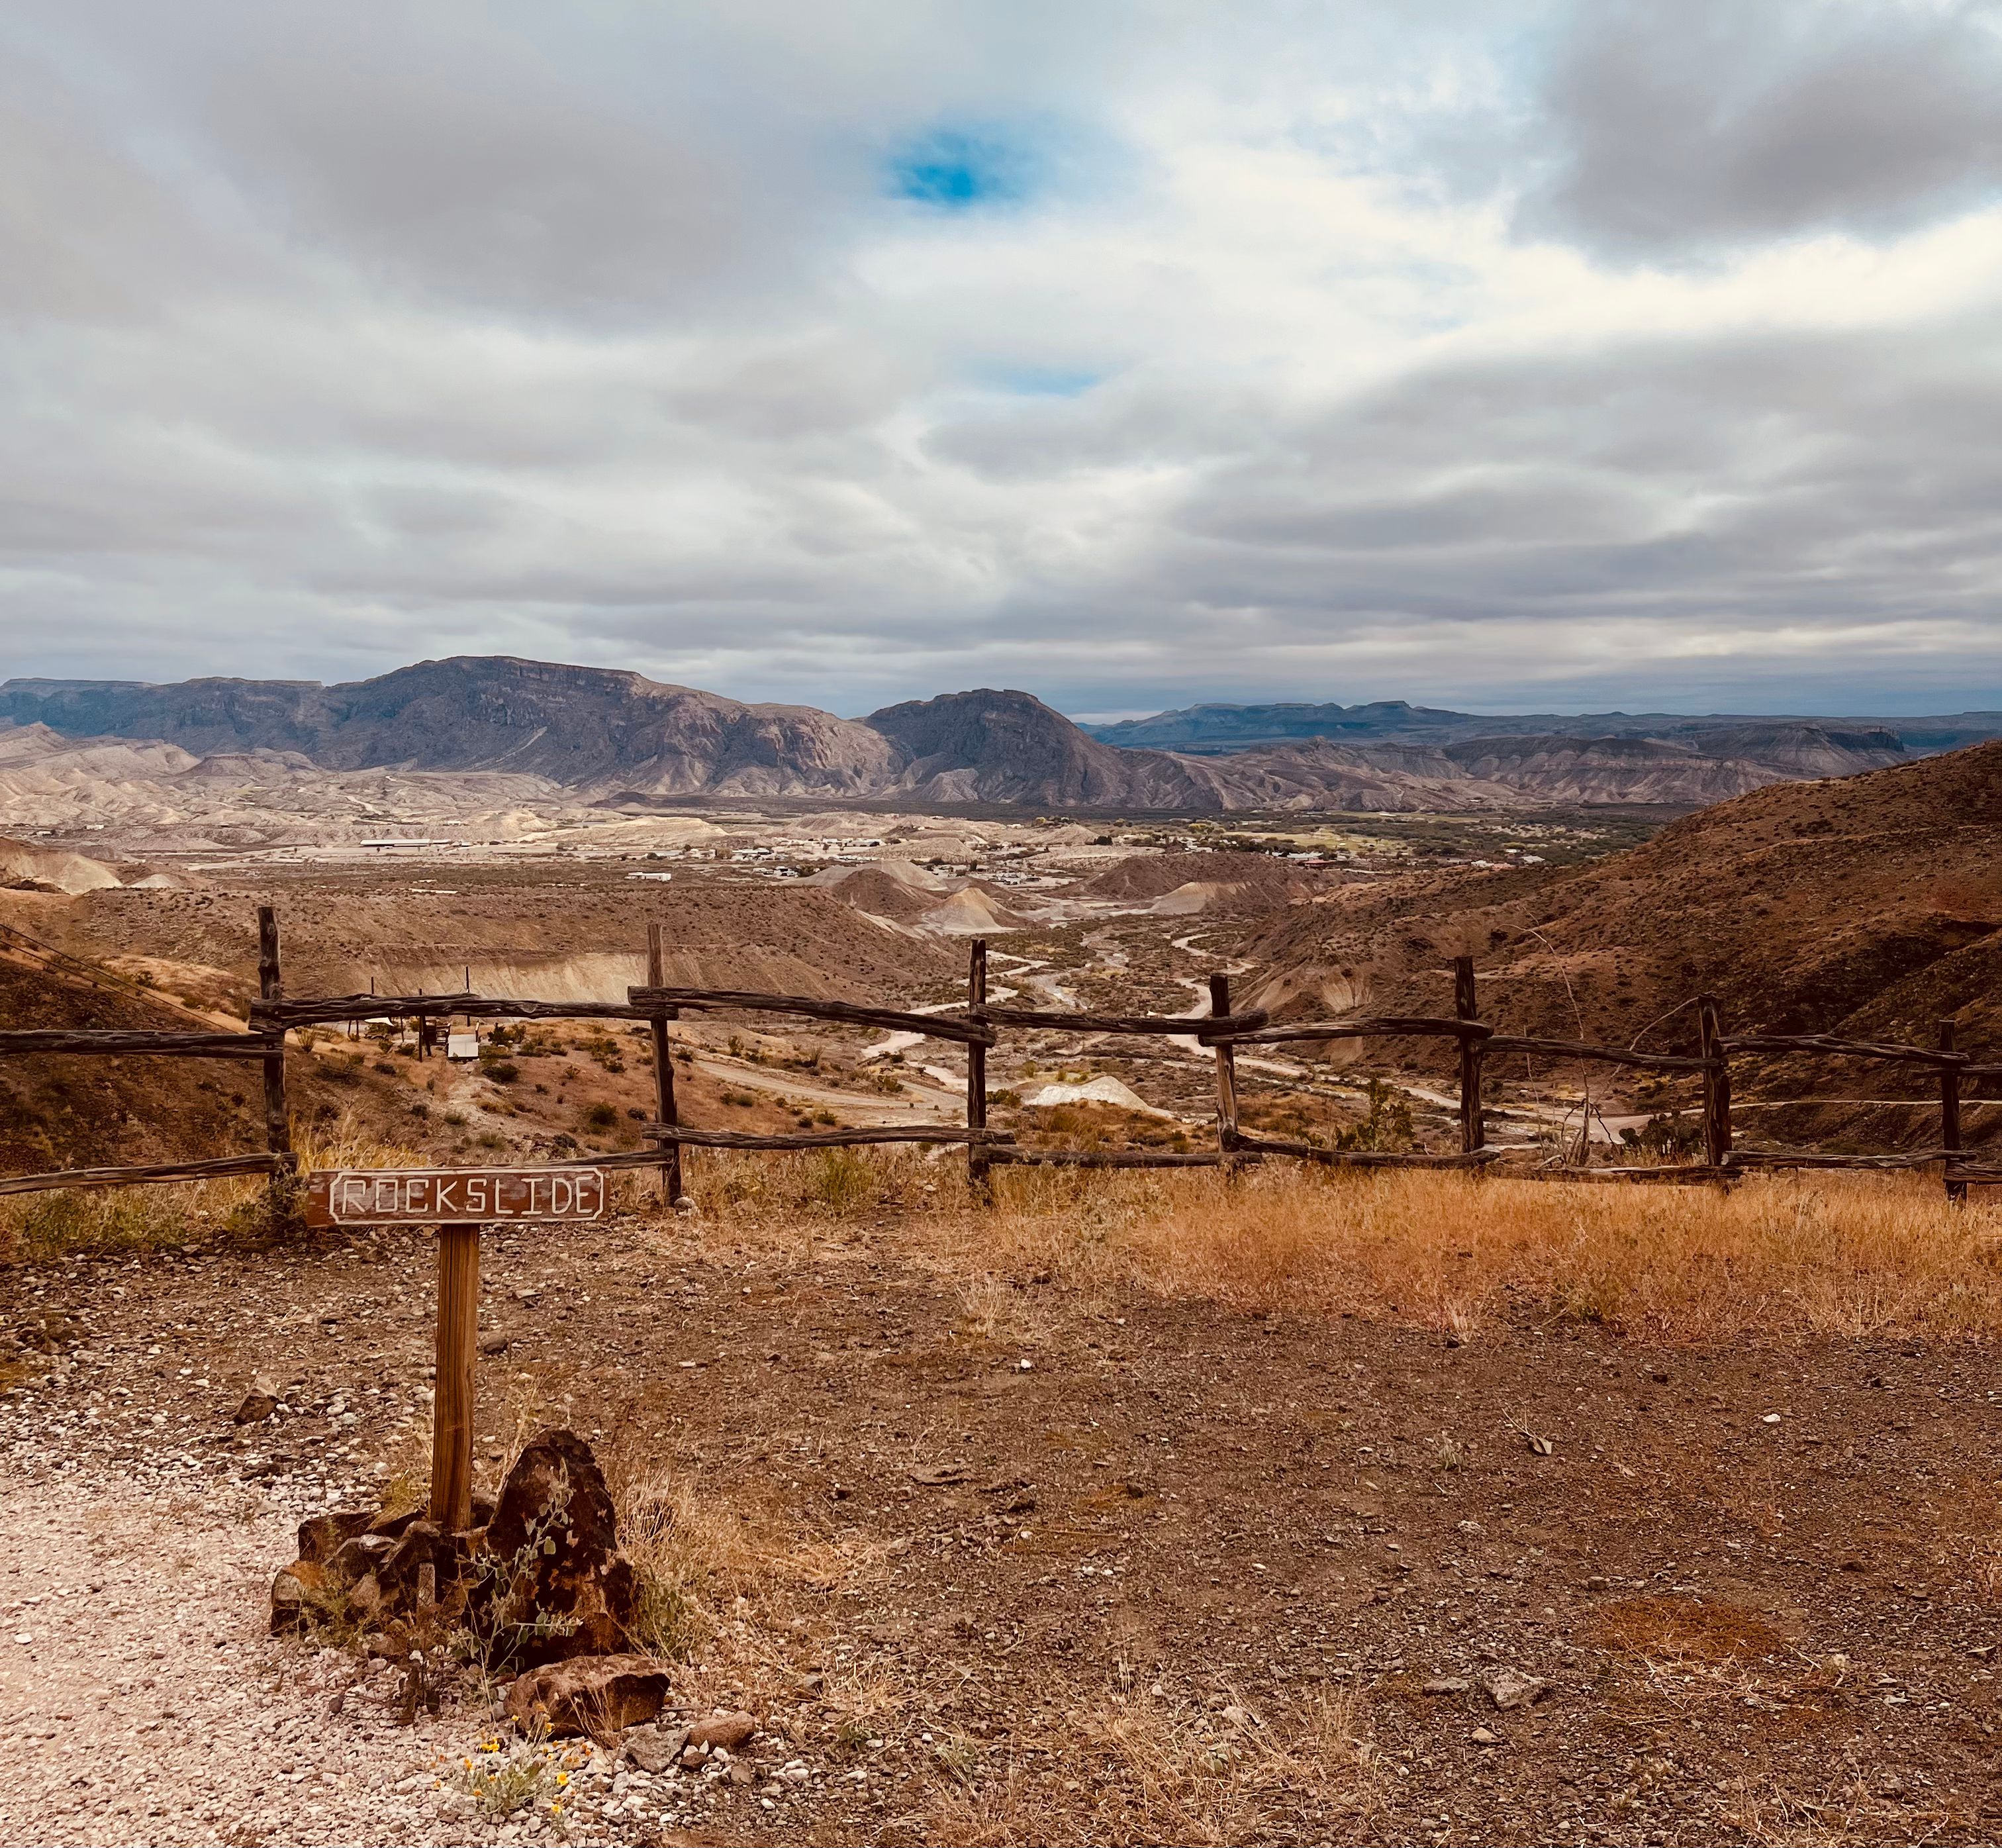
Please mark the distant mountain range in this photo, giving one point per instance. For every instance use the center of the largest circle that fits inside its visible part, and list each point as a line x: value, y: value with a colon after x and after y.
x: 619, y: 736
x: 1207, y: 730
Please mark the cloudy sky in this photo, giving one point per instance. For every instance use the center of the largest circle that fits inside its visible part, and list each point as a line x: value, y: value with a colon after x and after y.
x: 1502, y: 356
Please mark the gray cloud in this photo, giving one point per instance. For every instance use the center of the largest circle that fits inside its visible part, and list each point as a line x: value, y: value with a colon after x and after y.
x: 1674, y: 130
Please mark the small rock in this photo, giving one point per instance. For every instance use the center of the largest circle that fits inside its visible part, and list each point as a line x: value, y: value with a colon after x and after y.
x: 364, y: 1598
x: 422, y: 1543
x: 356, y: 1559
x: 684, y: 1204
x: 653, y: 1749
x: 1448, y: 1684
x: 295, y: 1595
x: 395, y: 1526
x: 693, y: 1757
x: 259, y: 1402
x: 322, y: 1535
x: 722, y: 1732
x: 594, y: 1695
x: 1481, y: 1736
x: 49, y: 1332
x: 1596, y: 1583
x: 493, y: 1344
x: 1510, y: 1688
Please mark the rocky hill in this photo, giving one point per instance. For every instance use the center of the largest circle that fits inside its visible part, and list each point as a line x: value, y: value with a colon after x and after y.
x: 606, y: 734
x: 1870, y: 906
x: 578, y: 727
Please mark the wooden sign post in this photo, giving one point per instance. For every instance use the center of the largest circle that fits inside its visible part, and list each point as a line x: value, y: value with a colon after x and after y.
x: 458, y: 1201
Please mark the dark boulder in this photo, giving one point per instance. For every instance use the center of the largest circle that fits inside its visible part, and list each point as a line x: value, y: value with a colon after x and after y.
x: 553, y: 1580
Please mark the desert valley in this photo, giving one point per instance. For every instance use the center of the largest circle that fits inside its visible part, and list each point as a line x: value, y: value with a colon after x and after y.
x: 1235, y: 1497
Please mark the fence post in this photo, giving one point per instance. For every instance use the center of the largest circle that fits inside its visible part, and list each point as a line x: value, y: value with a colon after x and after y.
x: 672, y: 1186
x: 451, y: 1403
x: 277, y: 1116
x: 1716, y: 1084
x: 1956, y: 1190
x: 1473, y: 1130
x: 1226, y: 1079
x: 976, y: 1165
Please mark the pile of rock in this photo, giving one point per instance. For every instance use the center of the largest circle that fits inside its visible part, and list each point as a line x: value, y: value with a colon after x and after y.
x: 537, y: 1578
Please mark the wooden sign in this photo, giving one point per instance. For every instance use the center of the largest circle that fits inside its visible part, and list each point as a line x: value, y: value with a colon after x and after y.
x: 453, y: 1196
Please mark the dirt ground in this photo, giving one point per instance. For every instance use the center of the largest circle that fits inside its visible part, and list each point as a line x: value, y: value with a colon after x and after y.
x: 1010, y: 1558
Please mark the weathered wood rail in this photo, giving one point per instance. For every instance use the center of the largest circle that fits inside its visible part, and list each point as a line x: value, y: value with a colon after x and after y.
x: 977, y: 1026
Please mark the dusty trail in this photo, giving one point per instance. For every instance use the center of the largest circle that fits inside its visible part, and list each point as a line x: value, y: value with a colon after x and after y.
x: 143, y: 1700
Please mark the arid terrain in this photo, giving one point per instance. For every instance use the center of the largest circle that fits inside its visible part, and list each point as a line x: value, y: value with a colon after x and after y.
x: 1279, y: 1506
x: 1111, y: 1516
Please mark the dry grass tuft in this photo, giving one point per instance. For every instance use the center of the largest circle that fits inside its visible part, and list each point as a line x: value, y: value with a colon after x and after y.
x: 1152, y: 1773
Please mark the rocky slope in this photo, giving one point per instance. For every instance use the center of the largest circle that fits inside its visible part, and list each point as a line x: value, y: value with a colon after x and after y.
x: 1871, y: 906
x: 578, y: 727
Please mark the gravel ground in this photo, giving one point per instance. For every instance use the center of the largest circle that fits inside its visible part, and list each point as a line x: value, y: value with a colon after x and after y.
x: 145, y: 1702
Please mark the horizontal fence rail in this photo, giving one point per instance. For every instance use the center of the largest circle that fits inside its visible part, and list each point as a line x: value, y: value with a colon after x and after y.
x: 1366, y: 1028
x: 937, y: 1026
x: 219, y: 1168
x: 22, y: 1040
x: 1357, y: 1158
x: 822, y: 1138
x: 976, y: 1026
x: 331, y: 1010
x: 1823, y: 1044
x: 1584, y: 1049
x: 1206, y: 1027
x: 1014, y: 1156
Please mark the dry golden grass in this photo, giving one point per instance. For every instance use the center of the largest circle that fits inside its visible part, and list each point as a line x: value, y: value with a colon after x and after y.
x: 1786, y: 1256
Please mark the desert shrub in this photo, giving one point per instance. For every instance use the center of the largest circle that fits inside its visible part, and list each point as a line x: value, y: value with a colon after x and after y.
x: 601, y: 1117
x: 1386, y: 1128
x: 841, y: 1180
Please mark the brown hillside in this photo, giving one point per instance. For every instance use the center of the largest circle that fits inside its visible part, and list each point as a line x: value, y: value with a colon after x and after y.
x: 1871, y: 904
x: 873, y: 891
x: 1153, y: 875
x: 545, y: 935
x: 80, y: 1112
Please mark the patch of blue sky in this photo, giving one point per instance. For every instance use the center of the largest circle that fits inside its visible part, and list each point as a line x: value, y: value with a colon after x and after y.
x: 956, y: 169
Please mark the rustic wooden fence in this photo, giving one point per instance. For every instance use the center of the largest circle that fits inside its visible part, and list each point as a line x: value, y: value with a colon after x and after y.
x: 977, y: 1027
